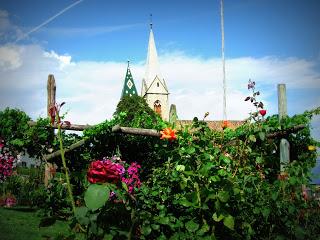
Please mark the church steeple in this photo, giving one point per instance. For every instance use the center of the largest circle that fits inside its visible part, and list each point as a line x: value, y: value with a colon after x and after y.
x: 152, y: 64
x: 129, y: 87
x: 154, y: 88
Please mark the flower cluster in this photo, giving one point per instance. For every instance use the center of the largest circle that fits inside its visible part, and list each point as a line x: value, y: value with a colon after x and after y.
x: 7, y: 162
x: 169, y: 134
x: 253, y: 99
x: 132, y: 181
x: 113, y: 171
x: 101, y: 171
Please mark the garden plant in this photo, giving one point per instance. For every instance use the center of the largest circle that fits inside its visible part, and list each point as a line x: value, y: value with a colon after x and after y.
x: 192, y: 182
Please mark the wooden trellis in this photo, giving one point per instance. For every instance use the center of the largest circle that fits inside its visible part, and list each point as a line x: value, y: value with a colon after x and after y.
x: 51, y: 100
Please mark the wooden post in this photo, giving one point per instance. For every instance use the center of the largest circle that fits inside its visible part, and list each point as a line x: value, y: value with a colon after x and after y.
x: 284, y: 144
x: 51, y: 89
x: 282, y: 101
x: 49, y: 169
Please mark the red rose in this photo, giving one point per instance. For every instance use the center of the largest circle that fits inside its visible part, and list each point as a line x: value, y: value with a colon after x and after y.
x: 104, y: 171
x: 263, y: 112
x: 96, y: 172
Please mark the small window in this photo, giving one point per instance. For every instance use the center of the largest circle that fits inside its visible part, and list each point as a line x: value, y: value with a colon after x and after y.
x: 157, y: 107
x: 157, y: 84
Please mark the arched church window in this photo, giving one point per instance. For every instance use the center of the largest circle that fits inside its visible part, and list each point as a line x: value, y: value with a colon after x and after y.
x: 157, y: 107
x: 157, y: 84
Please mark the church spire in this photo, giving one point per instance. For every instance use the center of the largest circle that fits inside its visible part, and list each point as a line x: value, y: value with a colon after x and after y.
x: 152, y: 64
x: 129, y: 87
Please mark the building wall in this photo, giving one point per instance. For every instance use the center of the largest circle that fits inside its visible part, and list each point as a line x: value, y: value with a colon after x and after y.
x: 151, y: 98
x: 157, y: 91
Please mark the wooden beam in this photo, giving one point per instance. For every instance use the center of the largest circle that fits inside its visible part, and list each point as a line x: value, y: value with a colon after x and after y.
x: 286, y: 132
x: 67, y: 149
x: 74, y: 127
x: 136, y: 131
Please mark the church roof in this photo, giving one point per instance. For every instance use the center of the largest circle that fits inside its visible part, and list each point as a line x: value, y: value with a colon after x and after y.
x: 215, y: 125
x: 129, y: 88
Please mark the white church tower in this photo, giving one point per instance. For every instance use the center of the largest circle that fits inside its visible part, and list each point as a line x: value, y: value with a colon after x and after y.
x: 154, y: 89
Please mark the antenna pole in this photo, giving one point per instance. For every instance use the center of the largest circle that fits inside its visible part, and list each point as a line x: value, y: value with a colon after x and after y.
x: 150, y: 21
x: 223, y: 62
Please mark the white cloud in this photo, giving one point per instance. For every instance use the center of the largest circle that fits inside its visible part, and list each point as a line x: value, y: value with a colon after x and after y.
x: 92, y: 89
x: 8, y: 31
x: 10, y: 57
x: 63, y: 60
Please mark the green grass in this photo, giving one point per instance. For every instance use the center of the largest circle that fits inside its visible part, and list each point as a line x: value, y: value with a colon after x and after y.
x: 23, y: 224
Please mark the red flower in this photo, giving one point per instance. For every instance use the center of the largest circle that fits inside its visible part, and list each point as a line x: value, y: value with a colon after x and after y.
x: 263, y: 112
x: 169, y: 134
x: 104, y: 171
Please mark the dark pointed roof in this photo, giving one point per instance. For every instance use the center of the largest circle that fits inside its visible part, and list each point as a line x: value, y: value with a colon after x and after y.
x: 129, y: 88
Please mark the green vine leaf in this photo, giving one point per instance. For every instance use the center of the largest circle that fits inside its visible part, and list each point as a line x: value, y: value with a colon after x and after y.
x: 96, y: 196
x: 192, y: 226
x: 223, y: 196
x: 217, y: 218
x: 228, y: 221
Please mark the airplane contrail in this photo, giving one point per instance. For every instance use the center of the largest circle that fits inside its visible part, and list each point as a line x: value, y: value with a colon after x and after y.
x: 47, y: 21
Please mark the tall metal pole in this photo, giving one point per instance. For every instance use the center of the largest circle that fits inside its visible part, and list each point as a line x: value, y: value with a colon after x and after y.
x: 223, y: 62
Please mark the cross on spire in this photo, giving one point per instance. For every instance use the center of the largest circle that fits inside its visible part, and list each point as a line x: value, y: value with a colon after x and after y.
x: 150, y: 21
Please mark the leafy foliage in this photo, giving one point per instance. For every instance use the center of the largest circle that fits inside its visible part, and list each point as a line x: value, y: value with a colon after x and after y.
x: 203, y: 184
x: 138, y: 113
x: 13, y: 125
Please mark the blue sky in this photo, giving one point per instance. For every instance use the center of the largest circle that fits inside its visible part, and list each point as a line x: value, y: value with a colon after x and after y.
x: 117, y: 30
x: 87, y: 46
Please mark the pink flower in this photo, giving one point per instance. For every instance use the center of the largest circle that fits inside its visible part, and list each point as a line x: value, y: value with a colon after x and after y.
x: 10, y: 201
x: 133, y: 180
x: 6, y: 162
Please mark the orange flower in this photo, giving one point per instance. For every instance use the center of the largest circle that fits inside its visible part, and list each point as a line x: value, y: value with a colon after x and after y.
x: 225, y: 124
x: 169, y: 134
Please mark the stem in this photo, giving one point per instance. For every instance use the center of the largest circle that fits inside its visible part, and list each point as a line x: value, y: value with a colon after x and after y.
x: 133, y: 213
x: 66, y: 170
